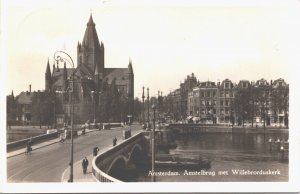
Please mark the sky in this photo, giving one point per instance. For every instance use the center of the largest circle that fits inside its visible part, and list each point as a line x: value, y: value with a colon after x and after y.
x: 215, y: 40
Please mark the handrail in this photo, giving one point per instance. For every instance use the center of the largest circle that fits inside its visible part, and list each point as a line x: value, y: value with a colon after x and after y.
x: 99, y: 174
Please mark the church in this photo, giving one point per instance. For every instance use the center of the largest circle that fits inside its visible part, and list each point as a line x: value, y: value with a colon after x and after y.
x: 100, y: 94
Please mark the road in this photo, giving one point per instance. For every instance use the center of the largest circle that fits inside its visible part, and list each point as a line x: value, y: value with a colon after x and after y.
x: 48, y: 163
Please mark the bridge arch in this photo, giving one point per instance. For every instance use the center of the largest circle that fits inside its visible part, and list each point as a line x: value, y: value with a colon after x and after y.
x: 118, y: 167
x: 137, y: 157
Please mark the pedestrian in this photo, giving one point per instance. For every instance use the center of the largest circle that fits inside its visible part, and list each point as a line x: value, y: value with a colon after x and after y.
x: 115, y: 141
x: 95, y: 151
x: 28, y: 147
x: 85, y: 164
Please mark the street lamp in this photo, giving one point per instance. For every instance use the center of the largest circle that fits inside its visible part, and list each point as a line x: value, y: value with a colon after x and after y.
x: 61, y: 56
x: 143, y: 97
x: 94, y: 102
x: 54, y: 111
x: 148, y: 107
x: 153, y: 143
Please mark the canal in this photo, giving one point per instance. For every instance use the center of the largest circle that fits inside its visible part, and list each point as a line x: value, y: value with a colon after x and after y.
x: 244, y: 157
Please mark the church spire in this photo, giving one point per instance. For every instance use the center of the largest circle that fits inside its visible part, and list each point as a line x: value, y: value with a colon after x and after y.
x: 130, y: 67
x: 48, y: 77
x: 91, y: 22
x: 48, y: 68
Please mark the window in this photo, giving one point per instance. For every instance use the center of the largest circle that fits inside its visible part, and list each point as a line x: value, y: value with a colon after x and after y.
x: 214, y: 111
x: 208, y: 94
x: 231, y: 94
x: 222, y: 94
x: 226, y: 103
x: 214, y: 93
x: 221, y: 102
x: 227, y: 85
x: 202, y: 111
x: 222, y: 111
x: 215, y: 102
x: 202, y: 94
x: 226, y: 110
x: 203, y: 102
x: 227, y: 94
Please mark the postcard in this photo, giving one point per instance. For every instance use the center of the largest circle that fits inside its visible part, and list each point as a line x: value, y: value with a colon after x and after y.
x: 147, y: 96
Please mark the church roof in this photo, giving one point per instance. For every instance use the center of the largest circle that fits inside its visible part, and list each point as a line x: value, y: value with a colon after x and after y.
x: 60, y: 72
x: 83, y: 70
x: 25, y: 97
x: 90, y: 38
x: 120, y: 74
x: 57, y: 76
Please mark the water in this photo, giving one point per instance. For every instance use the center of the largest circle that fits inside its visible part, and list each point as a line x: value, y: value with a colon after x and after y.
x: 251, y: 154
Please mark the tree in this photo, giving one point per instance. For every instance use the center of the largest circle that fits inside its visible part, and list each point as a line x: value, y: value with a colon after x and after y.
x: 241, y: 105
x: 42, y: 109
x: 11, y: 110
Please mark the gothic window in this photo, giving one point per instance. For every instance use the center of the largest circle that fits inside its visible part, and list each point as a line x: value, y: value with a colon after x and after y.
x: 80, y: 60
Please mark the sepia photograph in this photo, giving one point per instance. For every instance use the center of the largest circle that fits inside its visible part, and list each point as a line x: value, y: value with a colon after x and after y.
x: 167, y: 96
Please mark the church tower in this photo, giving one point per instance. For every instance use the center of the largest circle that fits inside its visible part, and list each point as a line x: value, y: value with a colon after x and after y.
x: 64, y: 78
x: 48, y: 78
x: 90, y: 53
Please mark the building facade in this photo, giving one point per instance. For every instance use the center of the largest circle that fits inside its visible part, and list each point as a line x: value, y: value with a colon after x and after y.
x: 255, y: 103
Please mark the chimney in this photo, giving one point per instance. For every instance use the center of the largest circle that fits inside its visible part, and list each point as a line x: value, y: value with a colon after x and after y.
x: 29, y: 88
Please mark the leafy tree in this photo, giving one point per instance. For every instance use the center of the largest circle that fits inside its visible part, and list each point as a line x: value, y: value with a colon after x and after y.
x: 42, y: 109
x: 241, y: 105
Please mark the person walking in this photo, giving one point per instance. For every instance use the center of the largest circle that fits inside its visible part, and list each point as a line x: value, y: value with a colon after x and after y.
x: 95, y: 151
x: 85, y: 164
x: 115, y: 141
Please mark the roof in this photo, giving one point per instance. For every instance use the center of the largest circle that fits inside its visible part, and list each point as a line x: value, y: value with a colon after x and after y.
x: 60, y: 72
x: 90, y: 36
x: 120, y: 74
x: 25, y: 97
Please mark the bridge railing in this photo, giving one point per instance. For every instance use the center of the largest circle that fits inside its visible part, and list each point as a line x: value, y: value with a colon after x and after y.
x: 99, y: 174
x: 36, y: 139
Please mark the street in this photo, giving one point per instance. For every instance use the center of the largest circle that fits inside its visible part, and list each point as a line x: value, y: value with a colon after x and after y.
x: 48, y: 163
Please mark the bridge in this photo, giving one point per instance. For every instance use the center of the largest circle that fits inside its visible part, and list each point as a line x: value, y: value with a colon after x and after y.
x: 112, y: 164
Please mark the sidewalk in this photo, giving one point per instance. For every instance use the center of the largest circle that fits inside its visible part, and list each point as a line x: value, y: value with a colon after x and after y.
x: 78, y: 175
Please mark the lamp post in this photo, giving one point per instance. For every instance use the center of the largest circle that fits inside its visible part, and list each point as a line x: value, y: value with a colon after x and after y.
x: 153, y: 143
x: 143, y: 97
x: 54, y: 111
x: 94, y: 102
x: 61, y: 56
x: 148, y: 107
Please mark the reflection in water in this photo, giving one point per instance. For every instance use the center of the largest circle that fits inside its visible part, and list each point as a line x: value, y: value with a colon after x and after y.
x: 228, y: 151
